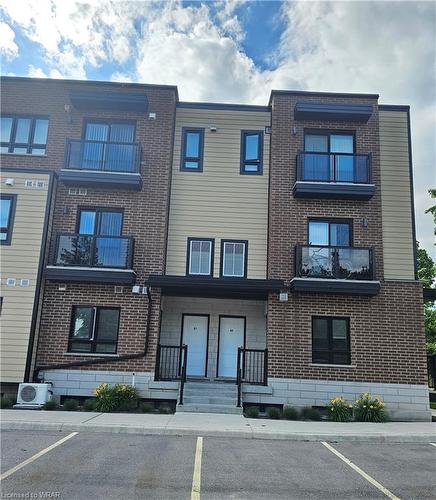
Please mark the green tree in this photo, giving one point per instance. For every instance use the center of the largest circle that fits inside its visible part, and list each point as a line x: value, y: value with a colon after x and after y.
x: 432, y: 209
x: 427, y: 276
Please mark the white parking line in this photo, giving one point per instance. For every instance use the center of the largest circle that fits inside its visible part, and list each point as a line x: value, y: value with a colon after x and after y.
x: 361, y: 472
x: 433, y: 444
x: 196, y: 477
x: 36, y: 456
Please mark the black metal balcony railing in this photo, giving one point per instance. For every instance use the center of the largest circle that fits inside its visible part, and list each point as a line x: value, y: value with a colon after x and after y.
x: 431, y: 367
x: 94, y: 251
x: 349, y: 263
x: 103, y: 156
x: 329, y: 167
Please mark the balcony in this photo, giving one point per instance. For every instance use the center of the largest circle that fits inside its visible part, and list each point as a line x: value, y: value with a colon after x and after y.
x: 112, y: 165
x: 343, y: 270
x: 332, y: 175
x: 96, y: 259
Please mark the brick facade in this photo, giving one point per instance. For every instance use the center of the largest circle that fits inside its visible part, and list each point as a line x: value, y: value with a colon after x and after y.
x: 145, y: 211
x: 386, y: 331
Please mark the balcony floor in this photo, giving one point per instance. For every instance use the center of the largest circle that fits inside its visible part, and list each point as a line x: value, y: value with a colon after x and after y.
x: 90, y: 275
x: 337, y: 286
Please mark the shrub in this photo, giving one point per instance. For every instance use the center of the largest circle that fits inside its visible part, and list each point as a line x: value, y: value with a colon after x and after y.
x: 120, y: 397
x: 290, y: 413
x: 6, y: 403
x: 340, y: 410
x: 273, y: 413
x: 252, y: 412
x: 369, y: 409
x: 309, y: 413
x: 165, y: 409
x: 51, y: 405
x: 146, y: 408
x: 71, y: 404
x: 89, y: 404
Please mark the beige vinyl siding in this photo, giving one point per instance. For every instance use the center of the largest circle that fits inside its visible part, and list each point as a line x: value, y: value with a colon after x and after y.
x: 219, y: 202
x: 396, y: 198
x: 20, y: 260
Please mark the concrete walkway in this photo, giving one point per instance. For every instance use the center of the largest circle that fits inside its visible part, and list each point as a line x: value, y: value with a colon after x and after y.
x: 206, y: 424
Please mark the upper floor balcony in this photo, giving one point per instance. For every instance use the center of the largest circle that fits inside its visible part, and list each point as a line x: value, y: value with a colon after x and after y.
x: 92, y: 258
x: 334, y: 175
x: 102, y: 164
x: 335, y: 269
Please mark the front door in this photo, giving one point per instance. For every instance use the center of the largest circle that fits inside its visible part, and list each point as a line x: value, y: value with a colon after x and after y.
x: 195, y: 332
x: 231, y: 337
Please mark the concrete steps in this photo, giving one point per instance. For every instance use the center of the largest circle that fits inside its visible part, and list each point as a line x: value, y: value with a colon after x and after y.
x: 210, y: 397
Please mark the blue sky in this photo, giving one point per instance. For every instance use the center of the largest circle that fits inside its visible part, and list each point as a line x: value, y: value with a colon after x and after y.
x: 237, y: 51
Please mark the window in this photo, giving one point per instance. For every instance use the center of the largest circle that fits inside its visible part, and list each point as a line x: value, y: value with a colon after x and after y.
x: 192, y: 150
x: 200, y: 256
x: 7, y: 212
x: 251, y: 152
x: 329, y: 232
x: 331, y: 340
x: 102, y: 222
x: 109, y: 144
x: 337, y: 162
x: 233, y: 259
x: 24, y: 135
x: 94, y: 330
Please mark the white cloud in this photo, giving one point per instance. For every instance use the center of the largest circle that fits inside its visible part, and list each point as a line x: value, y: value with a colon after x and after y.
x: 382, y: 47
x: 8, y: 47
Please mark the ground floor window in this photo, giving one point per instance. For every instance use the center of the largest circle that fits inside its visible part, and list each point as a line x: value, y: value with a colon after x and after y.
x: 94, y: 330
x: 331, y: 340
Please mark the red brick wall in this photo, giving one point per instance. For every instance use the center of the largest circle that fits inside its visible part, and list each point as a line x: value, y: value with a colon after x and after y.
x: 145, y: 212
x: 387, y: 335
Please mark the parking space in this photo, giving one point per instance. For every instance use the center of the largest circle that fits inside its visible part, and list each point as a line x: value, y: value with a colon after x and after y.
x: 128, y: 466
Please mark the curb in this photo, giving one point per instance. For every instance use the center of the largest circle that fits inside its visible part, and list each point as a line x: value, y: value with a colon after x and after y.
x: 248, y: 434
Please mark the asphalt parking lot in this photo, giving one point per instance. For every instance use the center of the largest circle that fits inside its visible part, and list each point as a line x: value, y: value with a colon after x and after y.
x: 112, y: 466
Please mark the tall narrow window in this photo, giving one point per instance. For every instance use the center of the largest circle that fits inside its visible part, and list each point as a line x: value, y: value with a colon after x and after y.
x: 192, y: 150
x: 109, y: 147
x: 24, y: 135
x: 331, y: 340
x: 329, y: 233
x: 94, y: 330
x: 233, y: 259
x: 7, y: 212
x: 200, y: 257
x: 251, y: 152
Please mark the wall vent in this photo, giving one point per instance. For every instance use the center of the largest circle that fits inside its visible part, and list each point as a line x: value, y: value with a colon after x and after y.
x: 72, y: 190
x: 24, y: 282
x: 118, y: 289
x: 83, y: 191
x: 11, y: 281
x: 62, y: 287
x: 35, y: 184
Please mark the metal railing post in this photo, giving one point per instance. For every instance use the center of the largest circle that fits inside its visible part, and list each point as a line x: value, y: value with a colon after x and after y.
x: 183, y: 377
x: 239, y: 377
x: 157, y: 365
x: 265, y: 368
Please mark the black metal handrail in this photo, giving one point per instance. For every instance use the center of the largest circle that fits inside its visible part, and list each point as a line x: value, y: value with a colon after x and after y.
x: 334, y: 262
x: 431, y: 368
x: 251, y: 368
x: 84, y: 250
x: 184, y: 357
x: 122, y: 157
x: 171, y: 363
x: 334, y: 167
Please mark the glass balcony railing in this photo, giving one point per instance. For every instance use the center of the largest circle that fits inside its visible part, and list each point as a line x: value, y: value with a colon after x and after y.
x: 103, y: 156
x: 349, y: 263
x: 84, y: 250
x: 327, y: 167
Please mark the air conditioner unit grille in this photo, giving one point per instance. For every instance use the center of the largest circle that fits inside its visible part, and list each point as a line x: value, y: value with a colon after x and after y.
x: 28, y: 393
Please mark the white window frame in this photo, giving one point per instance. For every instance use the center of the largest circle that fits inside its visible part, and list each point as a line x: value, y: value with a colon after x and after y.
x: 223, y: 260
x: 192, y: 273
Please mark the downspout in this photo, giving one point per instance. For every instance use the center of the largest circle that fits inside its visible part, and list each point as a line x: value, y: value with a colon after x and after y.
x: 102, y: 361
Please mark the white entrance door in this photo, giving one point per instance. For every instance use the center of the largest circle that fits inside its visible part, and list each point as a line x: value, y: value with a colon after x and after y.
x: 195, y: 337
x: 231, y: 337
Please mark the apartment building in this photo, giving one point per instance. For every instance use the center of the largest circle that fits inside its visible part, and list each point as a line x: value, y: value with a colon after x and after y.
x: 216, y: 255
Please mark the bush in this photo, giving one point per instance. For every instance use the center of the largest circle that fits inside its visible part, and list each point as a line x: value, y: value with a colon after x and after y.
x: 120, y: 397
x: 71, y: 405
x: 309, y: 413
x: 369, y: 409
x: 50, y: 405
x: 340, y: 410
x: 273, y: 413
x: 165, y: 409
x: 146, y: 408
x: 290, y: 413
x: 252, y: 412
x: 6, y: 403
x: 89, y: 404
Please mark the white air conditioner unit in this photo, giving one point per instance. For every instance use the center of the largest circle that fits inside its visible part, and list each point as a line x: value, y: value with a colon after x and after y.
x: 33, y: 395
